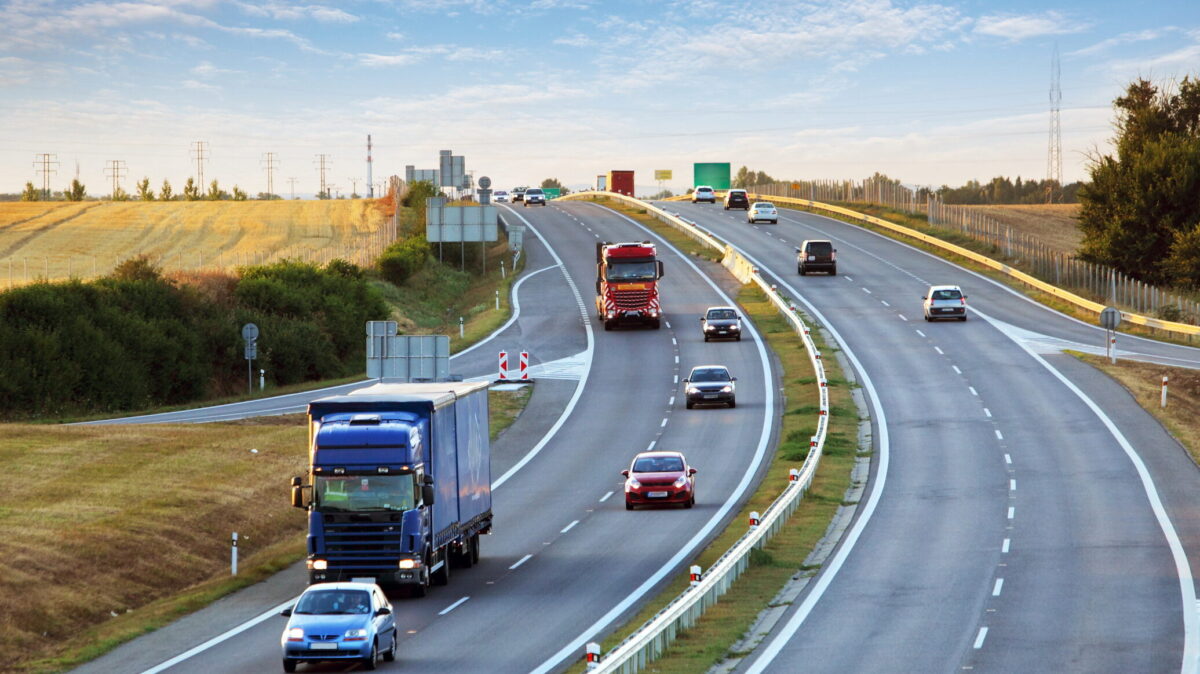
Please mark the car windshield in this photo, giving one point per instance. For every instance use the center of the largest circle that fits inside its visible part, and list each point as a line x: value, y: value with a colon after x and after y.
x: 657, y: 464
x: 343, y: 493
x: 533, y: 191
x: 947, y: 295
x: 710, y: 374
x: 632, y: 271
x: 722, y: 314
x: 500, y: 193
x: 334, y: 602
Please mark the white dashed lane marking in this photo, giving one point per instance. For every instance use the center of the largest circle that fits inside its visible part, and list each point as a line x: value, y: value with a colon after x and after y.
x: 1004, y: 546
x: 1011, y: 512
x: 452, y: 606
x: 569, y: 527
x: 973, y: 391
x: 940, y: 352
x: 956, y: 370
x: 920, y: 333
x: 999, y: 435
x: 979, y: 639
x: 520, y: 562
x: 997, y: 587
x: 606, y: 497
x: 903, y: 318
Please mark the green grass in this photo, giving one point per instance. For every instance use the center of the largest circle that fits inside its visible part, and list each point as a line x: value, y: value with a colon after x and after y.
x: 711, y: 640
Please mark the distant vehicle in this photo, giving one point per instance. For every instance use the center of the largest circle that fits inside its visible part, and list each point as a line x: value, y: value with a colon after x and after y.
x: 945, y: 301
x: 721, y: 322
x: 704, y: 193
x: 602, y: 183
x: 350, y: 622
x: 620, y: 182
x: 816, y: 255
x: 656, y: 478
x: 535, y: 197
x: 737, y: 199
x: 710, y: 385
x: 763, y: 210
x: 518, y: 194
x: 500, y: 197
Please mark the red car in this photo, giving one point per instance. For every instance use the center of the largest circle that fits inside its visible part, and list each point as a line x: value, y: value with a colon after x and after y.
x: 659, y: 477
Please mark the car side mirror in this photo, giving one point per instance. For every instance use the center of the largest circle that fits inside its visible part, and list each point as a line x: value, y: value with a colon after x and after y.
x: 287, y: 612
x: 702, y: 319
x: 687, y: 381
x: 964, y: 297
x: 427, y: 494
x: 733, y: 379
x: 383, y: 610
x: 625, y: 473
x: 691, y: 471
x: 924, y: 297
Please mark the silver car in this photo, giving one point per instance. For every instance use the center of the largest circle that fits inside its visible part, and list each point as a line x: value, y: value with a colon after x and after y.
x: 535, y: 197
x: 704, y: 193
x: 762, y: 211
x: 500, y: 197
x: 944, y: 301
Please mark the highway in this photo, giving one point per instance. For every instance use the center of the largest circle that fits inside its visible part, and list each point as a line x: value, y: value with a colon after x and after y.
x: 566, y: 561
x: 1031, y: 517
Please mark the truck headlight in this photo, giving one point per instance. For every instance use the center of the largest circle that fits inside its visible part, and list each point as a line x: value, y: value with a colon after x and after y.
x: 612, y: 314
x: 409, y: 564
x: 318, y: 564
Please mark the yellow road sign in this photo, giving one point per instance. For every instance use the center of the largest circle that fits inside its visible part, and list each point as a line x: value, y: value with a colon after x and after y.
x: 660, y: 174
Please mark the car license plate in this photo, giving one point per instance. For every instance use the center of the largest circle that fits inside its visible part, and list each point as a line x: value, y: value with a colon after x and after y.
x: 657, y: 494
x: 323, y: 647
x: 710, y: 396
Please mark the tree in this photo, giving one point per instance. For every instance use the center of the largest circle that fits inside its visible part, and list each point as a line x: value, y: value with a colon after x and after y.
x: 120, y: 194
x: 31, y: 193
x: 238, y: 194
x: 76, y: 192
x: 215, y: 193
x: 323, y: 194
x: 144, y: 191
x: 554, y: 183
x: 190, y: 191
x: 165, y: 192
x: 745, y: 178
x: 266, y: 196
x: 1140, y: 212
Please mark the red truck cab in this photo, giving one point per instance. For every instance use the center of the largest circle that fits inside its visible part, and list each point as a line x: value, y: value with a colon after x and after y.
x: 627, y: 277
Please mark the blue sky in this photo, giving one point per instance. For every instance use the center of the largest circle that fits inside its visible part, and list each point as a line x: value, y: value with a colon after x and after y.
x: 928, y: 92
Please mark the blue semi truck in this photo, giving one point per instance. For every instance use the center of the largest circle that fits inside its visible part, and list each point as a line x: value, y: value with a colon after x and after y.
x: 399, y: 484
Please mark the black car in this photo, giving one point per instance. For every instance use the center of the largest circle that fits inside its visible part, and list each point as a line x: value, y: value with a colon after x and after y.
x: 710, y: 385
x: 737, y: 199
x: 721, y: 322
x: 816, y: 255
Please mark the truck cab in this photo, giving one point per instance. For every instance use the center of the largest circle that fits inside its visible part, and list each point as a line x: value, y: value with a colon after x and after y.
x: 627, y: 276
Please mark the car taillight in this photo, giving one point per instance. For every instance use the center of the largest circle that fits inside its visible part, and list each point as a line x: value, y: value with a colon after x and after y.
x: 833, y: 255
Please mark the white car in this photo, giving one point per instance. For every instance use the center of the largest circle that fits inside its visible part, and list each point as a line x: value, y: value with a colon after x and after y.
x: 944, y: 301
x: 500, y: 197
x: 534, y: 196
x: 762, y: 211
x: 704, y: 193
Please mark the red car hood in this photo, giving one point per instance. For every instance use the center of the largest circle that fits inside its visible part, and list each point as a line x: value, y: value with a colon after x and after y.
x: 658, y: 478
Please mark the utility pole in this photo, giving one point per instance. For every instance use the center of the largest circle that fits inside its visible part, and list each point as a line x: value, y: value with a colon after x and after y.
x: 42, y: 163
x: 1054, y: 153
x: 293, y: 183
x: 354, y: 185
x: 370, y: 187
x: 323, y: 164
x: 200, y: 154
x: 115, y: 170
x: 271, y: 163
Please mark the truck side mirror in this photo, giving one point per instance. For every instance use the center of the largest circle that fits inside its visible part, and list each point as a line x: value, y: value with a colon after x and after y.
x: 296, y: 481
x: 427, y: 494
x: 298, y: 496
x: 659, y: 264
x: 702, y: 319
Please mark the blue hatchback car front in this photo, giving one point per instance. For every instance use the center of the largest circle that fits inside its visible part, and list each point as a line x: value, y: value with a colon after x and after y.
x: 339, y: 621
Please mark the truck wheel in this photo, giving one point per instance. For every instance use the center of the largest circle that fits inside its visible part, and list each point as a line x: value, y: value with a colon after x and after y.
x: 608, y: 325
x: 369, y: 661
x: 706, y: 338
x: 421, y: 588
x: 655, y: 324
x: 833, y: 271
x: 800, y: 270
x: 442, y: 575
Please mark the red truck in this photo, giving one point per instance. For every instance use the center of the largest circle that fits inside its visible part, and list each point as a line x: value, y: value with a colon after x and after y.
x: 627, y: 277
x: 621, y: 182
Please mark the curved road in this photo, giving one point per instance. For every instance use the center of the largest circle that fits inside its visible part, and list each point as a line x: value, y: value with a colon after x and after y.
x: 1031, y: 517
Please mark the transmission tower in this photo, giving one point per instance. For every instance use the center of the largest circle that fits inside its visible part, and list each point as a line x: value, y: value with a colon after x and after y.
x: 200, y: 155
x: 293, y: 183
x: 1054, y: 153
x: 271, y: 163
x: 354, y: 185
x: 370, y: 187
x: 116, y: 170
x: 323, y: 164
x: 43, y: 164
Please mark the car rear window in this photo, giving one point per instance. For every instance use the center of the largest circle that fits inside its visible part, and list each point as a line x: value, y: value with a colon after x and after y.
x: 657, y: 464
x: 820, y: 248
x: 947, y: 295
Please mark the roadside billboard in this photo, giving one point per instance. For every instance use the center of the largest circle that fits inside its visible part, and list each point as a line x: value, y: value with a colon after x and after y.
x: 661, y: 174
x: 715, y: 175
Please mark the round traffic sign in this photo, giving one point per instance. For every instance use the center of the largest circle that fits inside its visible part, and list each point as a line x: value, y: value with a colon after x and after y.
x: 485, y: 182
x: 249, y: 332
x: 1110, y: 318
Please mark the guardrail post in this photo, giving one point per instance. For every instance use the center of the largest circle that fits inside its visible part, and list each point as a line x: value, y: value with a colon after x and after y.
x: 694, y: 575
x: 755, y: 518
x: 592, y: 655
x: 1163, y: 404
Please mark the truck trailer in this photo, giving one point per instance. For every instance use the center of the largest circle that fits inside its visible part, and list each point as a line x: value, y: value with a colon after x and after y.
x: 627, y: 277
x: 621, y: 182
x: 399, y: 483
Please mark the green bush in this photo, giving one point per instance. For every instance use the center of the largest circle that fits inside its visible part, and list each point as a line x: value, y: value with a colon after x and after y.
x: 403, y: 258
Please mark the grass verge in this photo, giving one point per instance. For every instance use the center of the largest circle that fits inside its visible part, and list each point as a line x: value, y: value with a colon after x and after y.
x: 126, y: 528
x: 677, y: 238
x: 725, y: 623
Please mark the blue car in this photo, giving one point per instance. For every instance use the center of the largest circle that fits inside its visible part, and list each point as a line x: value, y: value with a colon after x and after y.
x: 339, y: 621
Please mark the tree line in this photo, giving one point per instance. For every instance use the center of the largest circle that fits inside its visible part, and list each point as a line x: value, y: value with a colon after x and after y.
x: 77, y: 191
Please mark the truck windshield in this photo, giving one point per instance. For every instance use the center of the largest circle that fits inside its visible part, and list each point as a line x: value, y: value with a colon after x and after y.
x: 343, y: 493
x: 632, y: 271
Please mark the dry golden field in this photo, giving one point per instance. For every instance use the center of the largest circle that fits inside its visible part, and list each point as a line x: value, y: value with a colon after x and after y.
x: 59, y: 240
x: 1057, y: 225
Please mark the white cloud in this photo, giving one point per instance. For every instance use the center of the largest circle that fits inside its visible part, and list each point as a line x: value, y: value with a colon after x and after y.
x: 199, y: 86
x: 1123, y: 38
x: 575, y: 40
x: 413, y: 55
x: 396, y: 36
x: 206, y: 70
x: 286, y: 12
x: 384, y: 60
x: 1017, y: 27
x: 1183, y: 61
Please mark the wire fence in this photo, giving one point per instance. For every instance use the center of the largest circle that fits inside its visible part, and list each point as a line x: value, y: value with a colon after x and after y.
x: 1023, y: 251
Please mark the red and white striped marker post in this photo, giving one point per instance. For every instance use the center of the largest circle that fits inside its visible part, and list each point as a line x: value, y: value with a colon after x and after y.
x: 1163, y: 404
x: 694, y: 575
x: 794, y: 475
x: 592, y: 655
x: 503, y: 366
x: 524, y: 366
x: 755, y: 518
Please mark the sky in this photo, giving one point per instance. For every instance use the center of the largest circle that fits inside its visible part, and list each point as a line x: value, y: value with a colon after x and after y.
x: 931, y: 93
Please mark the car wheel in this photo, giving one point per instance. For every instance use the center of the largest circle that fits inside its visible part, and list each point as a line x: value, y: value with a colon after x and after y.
x: 928, y: 319
x: 833, y: 271
x: 963, y: 318
x: 738, y: 338
x: 289, y: 665
x: 690, y: 404
x: 726, y: 208
x: 628, y: 505
x: 732, y: 403
x: 706, y: 338
x: 800, y: 270
x: 390, y: 654
x: 369, y: 662
x: 690, y: 502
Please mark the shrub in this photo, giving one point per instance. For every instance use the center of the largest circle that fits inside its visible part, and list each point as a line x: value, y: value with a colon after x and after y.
x: 403, y: 258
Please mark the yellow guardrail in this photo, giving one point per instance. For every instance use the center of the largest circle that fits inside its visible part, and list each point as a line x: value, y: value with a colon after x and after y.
x: 1096, y: 307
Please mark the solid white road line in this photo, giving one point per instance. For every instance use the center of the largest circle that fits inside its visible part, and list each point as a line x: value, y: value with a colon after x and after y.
x: 979, y: 639
x: 996, y: 588
x: 516, y: 302
x: 520, y: 562
x: 569, y: 527
x: 453, y: 606
x: 220, y: 637
x: 606, y: 497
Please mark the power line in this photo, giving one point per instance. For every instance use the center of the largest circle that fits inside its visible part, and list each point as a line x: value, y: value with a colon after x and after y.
x: 42, y: 163
x: 200, y: 154
x: 116, y: 170
x: 1054, y: 152
x: 271, y: 163
x: 323, y: 164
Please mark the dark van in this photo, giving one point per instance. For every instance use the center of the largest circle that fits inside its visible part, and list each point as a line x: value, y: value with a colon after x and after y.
x: 816, y: 255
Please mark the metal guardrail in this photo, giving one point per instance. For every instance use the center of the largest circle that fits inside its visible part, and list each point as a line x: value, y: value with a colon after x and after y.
x: 650, y: 640
x: 1096, y: 307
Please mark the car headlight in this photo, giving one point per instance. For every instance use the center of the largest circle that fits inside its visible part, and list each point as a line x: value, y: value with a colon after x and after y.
x: 356, y: 635
x: 295, y: 634
x: 634, y: 484
x: 708, y: 327
x: 318, y: 564
x: 692, y: 390
x: 681, y: 481
x: 409, y: 563
x: 727, y: 389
